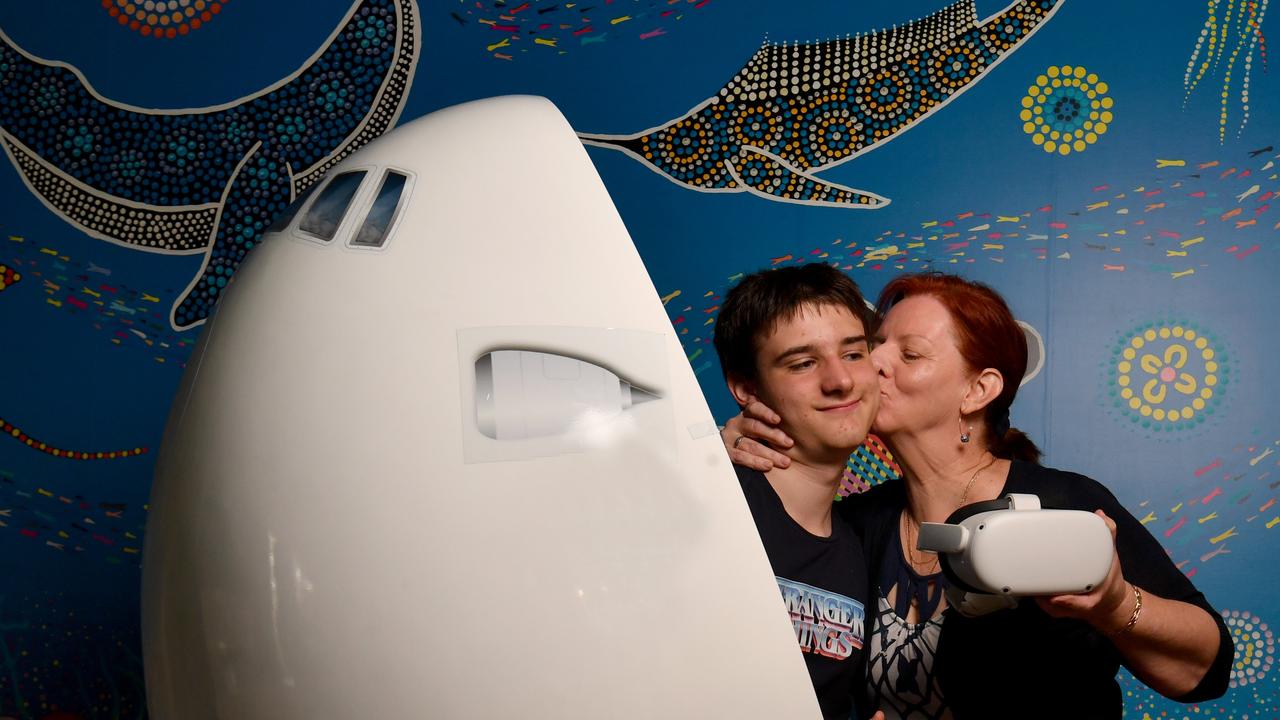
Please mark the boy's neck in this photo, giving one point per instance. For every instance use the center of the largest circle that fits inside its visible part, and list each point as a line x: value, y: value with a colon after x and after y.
x: 807, y: 491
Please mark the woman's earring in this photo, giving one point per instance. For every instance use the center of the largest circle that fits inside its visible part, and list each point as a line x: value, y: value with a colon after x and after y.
x: 964, y: 436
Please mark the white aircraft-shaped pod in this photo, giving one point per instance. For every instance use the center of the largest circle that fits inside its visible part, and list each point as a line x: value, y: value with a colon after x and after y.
x: 439, y: 454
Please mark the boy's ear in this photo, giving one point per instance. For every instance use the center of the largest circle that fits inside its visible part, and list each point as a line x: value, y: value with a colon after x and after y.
x: 743, y: 391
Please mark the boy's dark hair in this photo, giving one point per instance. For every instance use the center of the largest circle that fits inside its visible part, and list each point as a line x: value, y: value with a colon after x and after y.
x: 754, y: 307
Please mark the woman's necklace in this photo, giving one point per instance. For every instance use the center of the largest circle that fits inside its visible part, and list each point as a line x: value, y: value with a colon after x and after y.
x: 965, y: 495
x: 929, y: 565
x: 925, y: 566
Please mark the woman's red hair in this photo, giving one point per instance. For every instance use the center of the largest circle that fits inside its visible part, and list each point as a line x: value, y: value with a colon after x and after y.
x: 987, y: 336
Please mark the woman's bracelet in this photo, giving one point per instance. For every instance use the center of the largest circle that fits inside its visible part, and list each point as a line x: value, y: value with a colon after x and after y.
x: 1137, y: 610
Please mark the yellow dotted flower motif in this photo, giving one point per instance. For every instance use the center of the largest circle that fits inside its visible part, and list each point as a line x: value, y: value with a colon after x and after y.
x: 1167, y: 376
x: 1066, y: 110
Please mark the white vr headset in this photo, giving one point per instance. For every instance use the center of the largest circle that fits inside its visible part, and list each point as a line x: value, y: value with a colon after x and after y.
x: 996, y: 551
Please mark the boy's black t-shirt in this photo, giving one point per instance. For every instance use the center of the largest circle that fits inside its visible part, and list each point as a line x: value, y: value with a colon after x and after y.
x: 823, y: 581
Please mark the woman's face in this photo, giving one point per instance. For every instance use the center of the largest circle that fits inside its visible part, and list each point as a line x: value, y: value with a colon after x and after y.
x: 923, y: 377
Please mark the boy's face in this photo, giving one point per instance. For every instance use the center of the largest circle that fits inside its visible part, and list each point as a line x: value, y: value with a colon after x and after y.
x: 815, y: 371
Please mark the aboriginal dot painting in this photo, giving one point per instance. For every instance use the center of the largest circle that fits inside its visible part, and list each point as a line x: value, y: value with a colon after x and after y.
x: 165, y: 19
x: 206, y: 181
x: 1067, y: 110
x: 1111, y: 168
x: 797, y: 108
x: 1169, y: 376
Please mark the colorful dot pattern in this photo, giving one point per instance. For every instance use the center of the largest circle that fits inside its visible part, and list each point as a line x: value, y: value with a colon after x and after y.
x: 1168, y: 376
x: 801, y: 107
x: 206, y: 179
x: 1255, y: 647
x: 8, y: 277
x: 1231, y: 34
x: 165, y: 19
x: 7, y: 428
x: 69, y: 659
x: 148, y: 226
x: 1066, y: 110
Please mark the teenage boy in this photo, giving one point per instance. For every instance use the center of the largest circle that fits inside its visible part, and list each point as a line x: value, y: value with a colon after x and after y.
x: 796, y: 339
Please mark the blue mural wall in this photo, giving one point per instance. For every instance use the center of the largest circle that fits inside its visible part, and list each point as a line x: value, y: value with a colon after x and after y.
x: 1111, y: 167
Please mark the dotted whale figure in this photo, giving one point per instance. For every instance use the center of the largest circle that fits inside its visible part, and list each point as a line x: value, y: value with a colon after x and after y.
x: 796, y: 109
x: 208, y: 180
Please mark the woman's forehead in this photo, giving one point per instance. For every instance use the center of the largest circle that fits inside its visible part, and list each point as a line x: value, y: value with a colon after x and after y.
x: 918, y: 315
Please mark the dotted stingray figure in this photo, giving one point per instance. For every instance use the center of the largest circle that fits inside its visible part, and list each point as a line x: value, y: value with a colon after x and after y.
x: 208, y: 180
x: 799, y: 108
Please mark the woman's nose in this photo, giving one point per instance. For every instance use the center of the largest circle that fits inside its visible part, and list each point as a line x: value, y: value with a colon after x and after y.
x: 880, y: 359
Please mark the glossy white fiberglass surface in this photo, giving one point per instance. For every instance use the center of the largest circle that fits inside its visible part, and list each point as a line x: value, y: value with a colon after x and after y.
x: 331, y: 535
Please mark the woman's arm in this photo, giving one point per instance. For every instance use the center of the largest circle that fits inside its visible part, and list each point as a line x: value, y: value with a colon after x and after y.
x: 1171, y: 645
x: 751, y: 436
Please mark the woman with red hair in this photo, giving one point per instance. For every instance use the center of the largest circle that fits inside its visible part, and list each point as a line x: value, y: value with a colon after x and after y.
x: 949, y: 356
